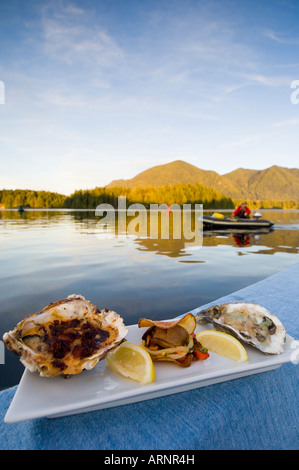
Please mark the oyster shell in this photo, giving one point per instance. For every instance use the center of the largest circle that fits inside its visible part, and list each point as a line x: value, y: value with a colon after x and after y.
x: 248, y: 322
x: 65, y: 337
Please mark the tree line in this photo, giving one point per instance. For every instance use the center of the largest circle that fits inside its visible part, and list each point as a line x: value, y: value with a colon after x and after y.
x: 177, y: 194
x: 265, y: 204
x: 28, y: 198
x: 168, y: 194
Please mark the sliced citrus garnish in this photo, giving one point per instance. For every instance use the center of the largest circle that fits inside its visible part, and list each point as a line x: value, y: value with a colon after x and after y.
x: 222, y: 344
x: 131, y: 360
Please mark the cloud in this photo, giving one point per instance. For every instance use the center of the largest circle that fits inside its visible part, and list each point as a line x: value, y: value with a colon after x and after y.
x: 288, y: 122
x: 243, y: 141
x: 64, y: 98
x: 73, y: 59
x: 279, y: 39
x: 69, y: 35
x: 272, y: 81
x: 209, y: 39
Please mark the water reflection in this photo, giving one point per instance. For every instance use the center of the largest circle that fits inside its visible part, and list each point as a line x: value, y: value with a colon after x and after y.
x: 276, y: 240
x: 282, y: 238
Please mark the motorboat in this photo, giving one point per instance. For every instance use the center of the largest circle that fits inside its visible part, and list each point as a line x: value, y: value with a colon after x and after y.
x: 215, y: 222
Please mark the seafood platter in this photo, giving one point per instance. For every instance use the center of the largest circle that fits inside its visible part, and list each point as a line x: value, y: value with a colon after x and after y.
x: 95, y: 352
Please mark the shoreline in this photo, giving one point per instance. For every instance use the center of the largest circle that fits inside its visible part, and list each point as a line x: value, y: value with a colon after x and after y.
x: 65, y: 209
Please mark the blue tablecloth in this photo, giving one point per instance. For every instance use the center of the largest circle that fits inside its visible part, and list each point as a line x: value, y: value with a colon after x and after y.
x: 255, y: 412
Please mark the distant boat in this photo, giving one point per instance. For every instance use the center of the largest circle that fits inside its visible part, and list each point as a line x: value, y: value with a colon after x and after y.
x: 21, y: 209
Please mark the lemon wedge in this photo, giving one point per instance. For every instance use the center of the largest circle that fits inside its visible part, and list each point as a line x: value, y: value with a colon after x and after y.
x: 131, y: 360
x: 222, y: 344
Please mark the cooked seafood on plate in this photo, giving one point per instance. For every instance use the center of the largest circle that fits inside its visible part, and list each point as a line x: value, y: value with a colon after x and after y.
x: 172, y: 340
x: 248, y: 322
x: 66, y: 337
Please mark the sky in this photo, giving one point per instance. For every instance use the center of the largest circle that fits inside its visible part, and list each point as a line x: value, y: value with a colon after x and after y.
x: 96, y: 90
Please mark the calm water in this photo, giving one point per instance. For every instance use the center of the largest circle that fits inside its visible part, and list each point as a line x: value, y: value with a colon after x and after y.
x: 47, y: 255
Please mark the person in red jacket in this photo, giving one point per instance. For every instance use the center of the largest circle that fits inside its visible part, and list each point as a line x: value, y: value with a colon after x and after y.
x: 242, y: 211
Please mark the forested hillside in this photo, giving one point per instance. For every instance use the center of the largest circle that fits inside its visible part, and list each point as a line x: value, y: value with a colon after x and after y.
x: 275, y: 184
x: 179, y: 194
x: 35, y: 199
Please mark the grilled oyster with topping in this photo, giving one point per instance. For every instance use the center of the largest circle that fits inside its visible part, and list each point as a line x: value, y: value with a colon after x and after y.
x: 66, y: 337
x: 248, y: 322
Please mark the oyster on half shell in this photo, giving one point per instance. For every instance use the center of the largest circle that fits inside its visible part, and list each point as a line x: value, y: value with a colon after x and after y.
x: 66, y: 337
x: 248, y: 322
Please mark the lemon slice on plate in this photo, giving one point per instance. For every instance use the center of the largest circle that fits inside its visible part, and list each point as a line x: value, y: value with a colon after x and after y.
x: 131, y: 360
x: 222, y: 344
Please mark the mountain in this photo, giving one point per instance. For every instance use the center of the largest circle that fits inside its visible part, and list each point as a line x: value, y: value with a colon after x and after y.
x: 174, y: 173
x: 275, y: 183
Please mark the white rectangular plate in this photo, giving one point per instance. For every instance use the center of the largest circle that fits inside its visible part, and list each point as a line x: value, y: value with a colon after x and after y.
x: 100, y: 388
